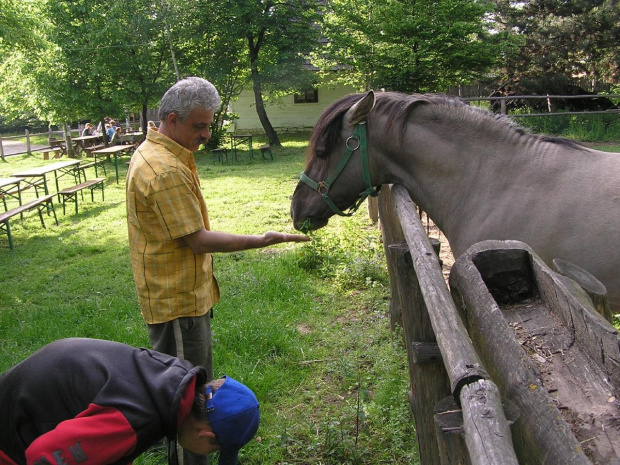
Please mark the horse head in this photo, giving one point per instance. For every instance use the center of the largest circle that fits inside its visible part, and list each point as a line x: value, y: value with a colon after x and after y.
x: 336, y: 176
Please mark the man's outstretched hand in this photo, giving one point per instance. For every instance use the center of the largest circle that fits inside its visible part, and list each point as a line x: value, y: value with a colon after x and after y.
x: 274, y: 237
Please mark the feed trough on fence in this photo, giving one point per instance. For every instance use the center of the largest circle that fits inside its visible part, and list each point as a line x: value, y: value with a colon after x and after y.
x: 547, y: 349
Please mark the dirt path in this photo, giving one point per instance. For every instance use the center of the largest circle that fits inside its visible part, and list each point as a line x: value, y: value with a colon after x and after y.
x: 15, y: 147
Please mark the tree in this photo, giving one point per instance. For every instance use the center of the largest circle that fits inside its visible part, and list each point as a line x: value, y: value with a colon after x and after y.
x: 278, y: 37
x: 90, y: 59
x: 559, y: 42
x: 117, y: 54
x: 424, y: 45
x: 204, y: 47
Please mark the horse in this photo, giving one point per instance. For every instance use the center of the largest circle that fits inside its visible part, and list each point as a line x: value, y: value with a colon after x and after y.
x: 478, y: 175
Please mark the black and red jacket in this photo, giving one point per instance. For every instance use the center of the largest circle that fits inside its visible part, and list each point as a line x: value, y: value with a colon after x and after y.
x: 92, y: 402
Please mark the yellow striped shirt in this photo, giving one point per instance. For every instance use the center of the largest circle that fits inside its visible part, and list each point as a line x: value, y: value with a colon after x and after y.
x: 164, y: 203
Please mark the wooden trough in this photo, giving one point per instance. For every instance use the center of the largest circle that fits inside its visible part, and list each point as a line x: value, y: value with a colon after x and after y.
x: 514, y: 366
x: 549, y: 351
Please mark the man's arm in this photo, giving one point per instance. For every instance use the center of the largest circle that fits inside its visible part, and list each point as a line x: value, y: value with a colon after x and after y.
x: 204, y: 241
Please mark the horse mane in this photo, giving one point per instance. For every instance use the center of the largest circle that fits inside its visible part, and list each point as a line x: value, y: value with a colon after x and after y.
x: 399, y: 107
x: 327, y: 128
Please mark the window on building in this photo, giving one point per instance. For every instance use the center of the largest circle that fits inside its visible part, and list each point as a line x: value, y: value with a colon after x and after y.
x: 307, y: 95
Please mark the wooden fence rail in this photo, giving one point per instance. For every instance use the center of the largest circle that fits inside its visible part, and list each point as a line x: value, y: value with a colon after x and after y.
x: 549, y: 98
x: 430, y: 321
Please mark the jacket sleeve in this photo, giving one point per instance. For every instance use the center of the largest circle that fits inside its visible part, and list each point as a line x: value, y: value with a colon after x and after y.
x: 97, y: 436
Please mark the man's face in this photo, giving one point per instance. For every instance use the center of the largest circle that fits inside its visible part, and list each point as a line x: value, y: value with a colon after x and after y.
x: 192, y: 132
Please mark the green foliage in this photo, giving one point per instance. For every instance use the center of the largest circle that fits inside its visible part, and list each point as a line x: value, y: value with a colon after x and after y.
x: 17, y: 24
x: 410, y: 47
x: 587, y: 128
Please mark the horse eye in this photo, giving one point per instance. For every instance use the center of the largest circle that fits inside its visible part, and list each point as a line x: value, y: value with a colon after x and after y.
x: 320, y: 151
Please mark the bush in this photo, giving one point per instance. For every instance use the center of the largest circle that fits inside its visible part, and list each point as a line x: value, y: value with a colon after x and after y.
x: 352, y: 259
x: 588, y: 128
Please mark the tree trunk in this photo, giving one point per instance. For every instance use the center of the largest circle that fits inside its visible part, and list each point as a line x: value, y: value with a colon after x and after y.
x: 254, y: 46
x: 145, y: 123
x: 272, y: 135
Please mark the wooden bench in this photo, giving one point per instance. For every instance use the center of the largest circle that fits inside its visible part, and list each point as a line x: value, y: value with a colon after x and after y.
x: 89, y: 150
x: 39, y: 203
x: 70, y: 194
x: 219, y: 153
x: 14, y: 192
x: 57, y: 151
x: 264, y: 150
x: 82, y: 167
x: 57, y: 144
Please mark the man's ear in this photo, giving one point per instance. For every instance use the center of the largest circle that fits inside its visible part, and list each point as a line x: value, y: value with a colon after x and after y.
x: 172, y: 119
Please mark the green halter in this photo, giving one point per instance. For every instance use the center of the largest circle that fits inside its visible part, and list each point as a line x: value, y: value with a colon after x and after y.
x: 322, y: 187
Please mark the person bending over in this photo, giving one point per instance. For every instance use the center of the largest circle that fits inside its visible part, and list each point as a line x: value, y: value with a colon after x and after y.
x: 95, y: 402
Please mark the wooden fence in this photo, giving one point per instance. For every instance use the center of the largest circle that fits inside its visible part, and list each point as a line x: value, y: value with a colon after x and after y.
x: 463, y: 413
x: 549, y: 99
x: 26, y: 145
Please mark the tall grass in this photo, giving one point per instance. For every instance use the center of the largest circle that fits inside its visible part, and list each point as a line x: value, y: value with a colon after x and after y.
x: 587, y: 128
x: 305, y: 326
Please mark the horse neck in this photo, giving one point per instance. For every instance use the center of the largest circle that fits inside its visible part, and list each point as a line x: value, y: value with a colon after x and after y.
x: 454, y: 173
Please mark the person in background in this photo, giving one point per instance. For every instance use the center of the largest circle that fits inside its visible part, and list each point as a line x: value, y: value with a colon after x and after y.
x: 110, y: 130
x: 152, y: 125
x: 93, y: 402
x: 170, y: 239
x: 116, y: 137
x: 88, y: 130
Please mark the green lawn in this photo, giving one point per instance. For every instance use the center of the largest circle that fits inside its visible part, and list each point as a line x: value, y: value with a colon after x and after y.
x: 306, y: 326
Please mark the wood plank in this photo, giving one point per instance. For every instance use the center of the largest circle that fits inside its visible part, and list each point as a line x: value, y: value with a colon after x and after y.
x: 487, y: 434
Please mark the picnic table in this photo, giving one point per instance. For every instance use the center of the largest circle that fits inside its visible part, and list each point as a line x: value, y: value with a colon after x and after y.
x: 116, y: 151
x: 86, y: 141
x: 9, y: 187
x: 240, y: 139
x: 62, y: 168
x: 132, y: 137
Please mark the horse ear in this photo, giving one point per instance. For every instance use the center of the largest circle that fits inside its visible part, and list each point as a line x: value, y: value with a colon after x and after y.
x: 360, y: 109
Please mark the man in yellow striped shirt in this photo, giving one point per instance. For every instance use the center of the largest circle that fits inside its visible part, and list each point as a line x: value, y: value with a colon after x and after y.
x: 170, y: 239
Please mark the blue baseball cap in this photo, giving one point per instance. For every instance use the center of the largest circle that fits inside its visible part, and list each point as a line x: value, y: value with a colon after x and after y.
x: 232, y: 410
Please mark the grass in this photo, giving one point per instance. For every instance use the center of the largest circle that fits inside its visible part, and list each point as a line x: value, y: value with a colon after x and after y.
x: 306, y: 326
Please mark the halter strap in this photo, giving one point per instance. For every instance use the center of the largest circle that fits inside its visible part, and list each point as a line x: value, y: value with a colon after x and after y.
x: 356, y: 141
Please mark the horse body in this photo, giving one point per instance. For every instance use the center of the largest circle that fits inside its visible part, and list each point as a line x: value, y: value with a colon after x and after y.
x: 478, y: 177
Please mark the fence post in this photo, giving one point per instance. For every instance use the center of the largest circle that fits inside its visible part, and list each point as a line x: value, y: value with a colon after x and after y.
x: 427, y: 376
x: 28, y: 142
x: 428, y: 379
x: 392, y: 234
x: 1, y: 149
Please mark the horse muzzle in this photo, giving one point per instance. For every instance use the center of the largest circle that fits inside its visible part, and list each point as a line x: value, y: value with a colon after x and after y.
x: 310, y: 224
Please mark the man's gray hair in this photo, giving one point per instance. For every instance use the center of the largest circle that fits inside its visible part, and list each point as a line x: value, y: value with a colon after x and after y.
x: 186, y: 95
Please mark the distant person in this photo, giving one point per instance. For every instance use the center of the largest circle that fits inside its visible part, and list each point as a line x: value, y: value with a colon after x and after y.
x: 116, y: 137
x: 110, y: 130
x: 94, y: 402
x: 88, y: 130
x: 170, y: 238
x: 152, y: 125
